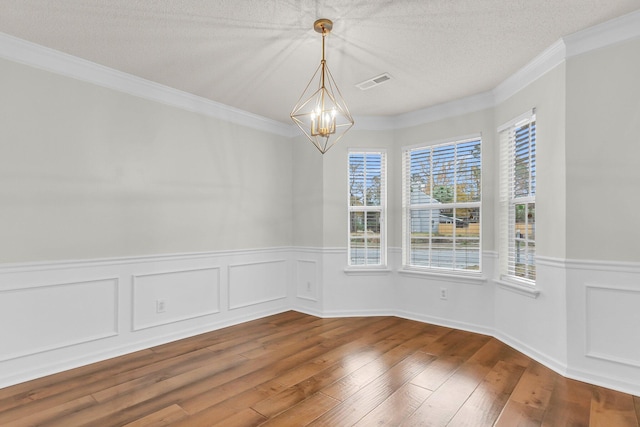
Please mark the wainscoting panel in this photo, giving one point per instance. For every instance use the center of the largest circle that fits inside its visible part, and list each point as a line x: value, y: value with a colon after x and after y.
x: 173, y: 296
x: 603, y: 321
x: 307, y: 279
x: 256, y: 283
x: 613, y: 313
x: 60, y: 315
x: 41, y: 318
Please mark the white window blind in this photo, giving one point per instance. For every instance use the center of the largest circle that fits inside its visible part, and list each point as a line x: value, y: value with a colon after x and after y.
x: 367, y: 204
x: 518, y: 197
x: 441, y: 205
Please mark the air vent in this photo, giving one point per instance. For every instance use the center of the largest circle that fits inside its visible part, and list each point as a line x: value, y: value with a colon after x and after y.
x: 375, y: 81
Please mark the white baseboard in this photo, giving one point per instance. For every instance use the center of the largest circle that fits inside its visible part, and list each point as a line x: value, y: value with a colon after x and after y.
x: 464, y: 326
x: 534, y: 354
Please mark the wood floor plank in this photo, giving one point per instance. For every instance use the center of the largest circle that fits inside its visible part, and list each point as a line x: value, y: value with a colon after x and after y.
x: 163, y: 417
x: 535, y: 387
x: 275, y: 343
x: 612, y: 408
x: 125, y: 406
x: 517, y: 414
x: 233, y: 389
x: 348, y: 358
x: 304, y: 412
x: 278, y: 366
x: 293, y: 369
x: 244, y: 418
x: 58, y: 411
x: 298, y: 392
x: 438, y: 372
x: 357, y: 405
x: 156, y: 373
x: 457, y: 343
x: 120, y: 403
x: 570, y: 404
x: 350, y: 384
x: 52, y: 385
x: 442, y: 405
x: 398, y: 407
x: 229, y: 403
x: 214, y: 407
x: 71, y: 384
x: 212, y: 390
x: 487, y: 401
x: 142, y: 375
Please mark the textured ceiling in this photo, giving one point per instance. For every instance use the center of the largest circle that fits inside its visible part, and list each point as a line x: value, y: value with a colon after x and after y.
x: 257, y: 55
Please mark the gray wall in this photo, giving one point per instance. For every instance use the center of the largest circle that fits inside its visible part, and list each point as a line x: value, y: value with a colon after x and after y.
x: 89, y: 172
x: 603, y: 148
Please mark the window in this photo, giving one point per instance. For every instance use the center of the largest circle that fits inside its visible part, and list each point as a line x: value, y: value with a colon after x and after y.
x: 367, y: 202
x: 441, y: 205
x: 518, y: 197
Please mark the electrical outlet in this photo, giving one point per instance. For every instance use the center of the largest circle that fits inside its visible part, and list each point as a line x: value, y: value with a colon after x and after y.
x: 161, y: 306
x: 308, y: 286
x: 444, y: 293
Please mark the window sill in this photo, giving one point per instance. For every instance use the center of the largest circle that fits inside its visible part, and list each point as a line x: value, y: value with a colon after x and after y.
x: 366, y: 271
x: 518, y: 287
x: 473, y: 279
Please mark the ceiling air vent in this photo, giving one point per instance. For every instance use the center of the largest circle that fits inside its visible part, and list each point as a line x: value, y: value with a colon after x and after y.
x: 375, y: 81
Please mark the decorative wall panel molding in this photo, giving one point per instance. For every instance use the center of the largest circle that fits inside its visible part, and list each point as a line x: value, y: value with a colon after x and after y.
x: 306, y: 279
x: 119, y: 309
x: 173, y: 296
x: 65, y: 314
x: 42, y: 318
x: 612, y: 324
x: 257, y: 282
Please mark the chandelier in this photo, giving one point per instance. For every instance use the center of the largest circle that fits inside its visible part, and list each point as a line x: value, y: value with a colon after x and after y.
x: 321, y: 112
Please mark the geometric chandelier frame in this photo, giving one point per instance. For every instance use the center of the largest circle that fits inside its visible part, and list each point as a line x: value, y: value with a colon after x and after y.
x: 321, y: 112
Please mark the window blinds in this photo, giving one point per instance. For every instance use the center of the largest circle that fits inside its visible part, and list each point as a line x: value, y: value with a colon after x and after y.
x: 441, y: 205
x: 517, y: 197
x: 367, y: 199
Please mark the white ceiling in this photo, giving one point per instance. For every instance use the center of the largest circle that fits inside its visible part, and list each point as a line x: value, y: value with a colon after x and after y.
x: 257, y: 55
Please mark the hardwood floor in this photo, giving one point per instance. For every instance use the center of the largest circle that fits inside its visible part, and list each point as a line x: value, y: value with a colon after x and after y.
x: 292, y: 369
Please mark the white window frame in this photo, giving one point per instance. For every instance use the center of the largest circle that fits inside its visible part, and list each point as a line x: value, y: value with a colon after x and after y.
x: 510, y: 244
x: 382, y: 209
x: 407, y: 206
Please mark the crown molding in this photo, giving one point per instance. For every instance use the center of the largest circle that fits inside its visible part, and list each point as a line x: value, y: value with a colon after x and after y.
x: 614, y: 31
x: 550, y: 58
x: 617, y: 30
x: 379, y: 123
x: 445, y: 110
x: 24, y: 52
